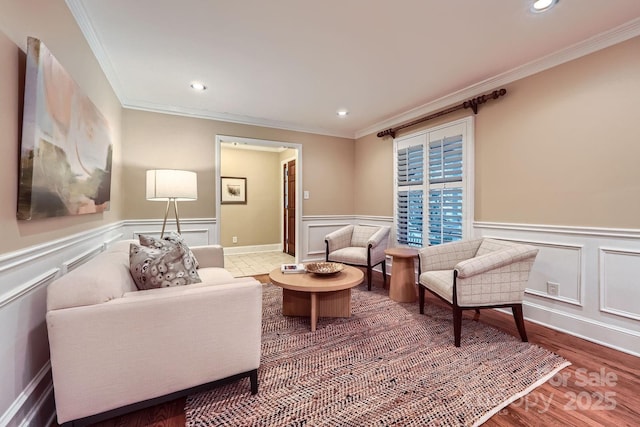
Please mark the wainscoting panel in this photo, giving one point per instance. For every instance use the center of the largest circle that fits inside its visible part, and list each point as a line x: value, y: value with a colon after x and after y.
x: 25, y: 372
x: 558, y: 264
x: 76, y: 261
x: 597, y: 273
x: 195, y: 231
x: 620, y: 282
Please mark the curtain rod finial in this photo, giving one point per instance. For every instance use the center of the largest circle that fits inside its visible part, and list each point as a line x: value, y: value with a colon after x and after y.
x: 388, y: 132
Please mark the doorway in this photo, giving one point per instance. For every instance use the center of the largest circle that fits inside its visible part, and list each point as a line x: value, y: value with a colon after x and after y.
x: 291, y: 155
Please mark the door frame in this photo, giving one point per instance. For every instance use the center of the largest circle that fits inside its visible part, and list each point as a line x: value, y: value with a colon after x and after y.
x: 261, y: 143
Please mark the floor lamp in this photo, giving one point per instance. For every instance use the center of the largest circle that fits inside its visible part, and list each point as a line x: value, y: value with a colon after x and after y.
x: 173, y: 186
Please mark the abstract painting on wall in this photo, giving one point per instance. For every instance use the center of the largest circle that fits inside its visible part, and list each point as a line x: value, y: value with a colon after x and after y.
x: 66, y: 151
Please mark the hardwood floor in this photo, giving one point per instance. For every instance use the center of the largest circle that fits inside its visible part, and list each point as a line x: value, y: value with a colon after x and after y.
x: 601, y: 387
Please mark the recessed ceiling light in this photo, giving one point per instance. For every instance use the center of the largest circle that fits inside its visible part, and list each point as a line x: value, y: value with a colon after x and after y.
x: 342, y: 113
x: 543, y: 5
x: 198, y: 86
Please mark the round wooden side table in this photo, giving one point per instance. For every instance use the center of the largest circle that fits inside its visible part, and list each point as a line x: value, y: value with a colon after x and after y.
x: 403, y: 276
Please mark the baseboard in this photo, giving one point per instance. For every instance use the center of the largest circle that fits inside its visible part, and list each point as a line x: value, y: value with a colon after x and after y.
x: 238, y: 250
x: 591, y: 330
x: 32, y: 402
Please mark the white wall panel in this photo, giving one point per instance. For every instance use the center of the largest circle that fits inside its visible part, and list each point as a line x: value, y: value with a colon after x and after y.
x: 561, y: 264
x: 27, y: 393
x: 597, y: 270
x: 196, y: 232
x: 620, y: 282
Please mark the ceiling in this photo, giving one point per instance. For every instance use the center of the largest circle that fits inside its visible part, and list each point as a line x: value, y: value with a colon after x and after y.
x: 292, y: 64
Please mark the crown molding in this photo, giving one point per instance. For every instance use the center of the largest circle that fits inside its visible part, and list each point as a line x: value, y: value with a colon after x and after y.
x: 82, y: 18
x: 80, y: 15
x: 231, y: 118
x: 593, y: 44
x: 601, y: 41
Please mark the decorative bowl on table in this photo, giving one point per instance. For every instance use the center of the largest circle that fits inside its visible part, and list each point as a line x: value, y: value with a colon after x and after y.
x: 324, y: 268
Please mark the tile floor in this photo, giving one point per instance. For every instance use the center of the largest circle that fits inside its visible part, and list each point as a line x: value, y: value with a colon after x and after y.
x: 250, y: 264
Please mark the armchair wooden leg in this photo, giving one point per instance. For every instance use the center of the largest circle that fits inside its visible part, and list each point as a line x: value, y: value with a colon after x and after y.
x: 369, y: 277
x: 519, y: 318
x: 421, y: 298
x: 457, y: 325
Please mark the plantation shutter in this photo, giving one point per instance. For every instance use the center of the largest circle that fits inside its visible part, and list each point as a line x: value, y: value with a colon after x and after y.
x: 445, y: 214
x: 410, y: 195
x: 433, y: 174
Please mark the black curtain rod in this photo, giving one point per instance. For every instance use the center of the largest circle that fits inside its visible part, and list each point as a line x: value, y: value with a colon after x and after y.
x: 472, y: 103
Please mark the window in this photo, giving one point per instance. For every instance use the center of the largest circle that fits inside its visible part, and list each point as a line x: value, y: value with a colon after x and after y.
x: 434, y: 185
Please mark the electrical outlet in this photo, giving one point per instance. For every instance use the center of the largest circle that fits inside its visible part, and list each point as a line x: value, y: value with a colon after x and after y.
x: 234, y: 239
x: 552, y: 288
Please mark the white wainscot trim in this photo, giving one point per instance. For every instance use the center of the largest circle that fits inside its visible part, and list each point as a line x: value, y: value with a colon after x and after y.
x: 85, y: 256
x: 195, y: 231
x: 619, y: 289
x: 597, y: 272
x: 31, y: 401
x: 560, y: 229
x: 237, y: 250
x: 23, y: 289
x: 558, y: 263
x: 621, y: 339
x: 24, y: 276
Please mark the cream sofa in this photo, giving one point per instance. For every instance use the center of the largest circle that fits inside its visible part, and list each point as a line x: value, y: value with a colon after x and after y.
x: 115, y: 349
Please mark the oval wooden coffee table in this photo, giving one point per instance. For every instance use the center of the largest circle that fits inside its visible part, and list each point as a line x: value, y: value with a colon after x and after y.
x: 313, y: 295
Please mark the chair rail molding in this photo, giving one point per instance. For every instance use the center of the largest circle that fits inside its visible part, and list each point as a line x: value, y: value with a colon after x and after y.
x: 630, y: 233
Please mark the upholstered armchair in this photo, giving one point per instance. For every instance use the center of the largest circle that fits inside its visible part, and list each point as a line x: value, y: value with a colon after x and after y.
x: 361, y: 245
x: 475, y: 274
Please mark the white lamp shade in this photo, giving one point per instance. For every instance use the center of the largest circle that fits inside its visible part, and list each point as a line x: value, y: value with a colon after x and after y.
x: 165, y: 184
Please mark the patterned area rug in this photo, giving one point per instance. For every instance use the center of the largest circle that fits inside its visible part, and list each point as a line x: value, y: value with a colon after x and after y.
x: 385, y: 365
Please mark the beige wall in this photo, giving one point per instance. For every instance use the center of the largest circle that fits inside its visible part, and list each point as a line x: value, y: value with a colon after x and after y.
x: 561, y: 148
x: 52, y: 23
x: 156, y: 140
x: 374, y: 176
x: 258, y: 221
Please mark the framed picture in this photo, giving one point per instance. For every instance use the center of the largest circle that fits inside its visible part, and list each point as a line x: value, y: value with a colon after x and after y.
x: 66, y: 148
x: 233, y: 190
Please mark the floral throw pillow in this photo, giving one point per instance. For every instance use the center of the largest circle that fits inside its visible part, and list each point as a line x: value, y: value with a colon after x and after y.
x: 158, y: 268
x: 167, y: 244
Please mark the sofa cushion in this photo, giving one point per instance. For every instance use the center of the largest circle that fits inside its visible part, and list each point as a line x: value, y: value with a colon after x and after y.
x: 156, y: 268
x: 167, y: 244
x: 99, y: 280
x: 210, y: 277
